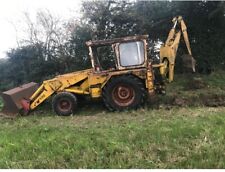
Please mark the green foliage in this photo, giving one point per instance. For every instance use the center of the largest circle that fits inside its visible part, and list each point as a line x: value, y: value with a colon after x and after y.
x: 109, y: 19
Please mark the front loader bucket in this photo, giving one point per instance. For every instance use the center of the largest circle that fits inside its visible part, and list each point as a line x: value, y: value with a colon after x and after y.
x: 12, y: 98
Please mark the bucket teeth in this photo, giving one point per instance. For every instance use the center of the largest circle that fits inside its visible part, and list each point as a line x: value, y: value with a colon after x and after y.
x: 12, y: 98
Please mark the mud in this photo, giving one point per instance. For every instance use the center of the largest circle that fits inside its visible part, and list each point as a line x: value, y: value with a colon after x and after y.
x: 213, y: 100
x: 176, y: 100
x: 195, y: 83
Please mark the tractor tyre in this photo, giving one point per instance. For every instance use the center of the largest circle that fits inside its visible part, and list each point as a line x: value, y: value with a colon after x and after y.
x: 124, y: 92
x: 64, y: 103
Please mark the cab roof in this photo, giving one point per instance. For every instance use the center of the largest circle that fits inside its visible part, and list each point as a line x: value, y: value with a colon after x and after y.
x: 116, y: 40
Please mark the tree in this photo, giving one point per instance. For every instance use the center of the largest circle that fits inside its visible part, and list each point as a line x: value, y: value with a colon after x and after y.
x: 53, y: 46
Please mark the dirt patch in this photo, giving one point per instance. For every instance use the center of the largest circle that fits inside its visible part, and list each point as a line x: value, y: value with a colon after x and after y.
x: 207, y: 99
x: 180, y: 101
x: 195, y: 83
x: 213, y: 100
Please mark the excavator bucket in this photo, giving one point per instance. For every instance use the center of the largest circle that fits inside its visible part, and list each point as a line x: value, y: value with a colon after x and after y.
x: 188, y: 62
x: 13, y: 98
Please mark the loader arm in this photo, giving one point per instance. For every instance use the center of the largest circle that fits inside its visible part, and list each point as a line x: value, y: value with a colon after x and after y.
x: 169, y: 50
x: 57, y: 84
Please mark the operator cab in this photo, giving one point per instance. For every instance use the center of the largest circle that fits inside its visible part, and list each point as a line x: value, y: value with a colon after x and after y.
x: 119, y: 53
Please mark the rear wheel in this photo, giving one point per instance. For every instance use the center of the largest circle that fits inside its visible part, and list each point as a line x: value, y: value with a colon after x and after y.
x: 64, y: 103
x: 124, y: 92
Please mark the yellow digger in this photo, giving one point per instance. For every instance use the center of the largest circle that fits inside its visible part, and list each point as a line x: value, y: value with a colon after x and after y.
x: 125, y: 84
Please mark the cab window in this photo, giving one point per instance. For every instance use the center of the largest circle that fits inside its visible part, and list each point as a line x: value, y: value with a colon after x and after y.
x: 131, y: 53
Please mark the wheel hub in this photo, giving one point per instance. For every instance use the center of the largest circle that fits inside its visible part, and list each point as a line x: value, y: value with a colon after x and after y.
x: 123, y: 92
x: 123, y: 95
x: 64, y: 105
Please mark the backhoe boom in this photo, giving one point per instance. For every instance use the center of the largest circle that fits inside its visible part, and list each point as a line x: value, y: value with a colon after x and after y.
x: 168, y: 51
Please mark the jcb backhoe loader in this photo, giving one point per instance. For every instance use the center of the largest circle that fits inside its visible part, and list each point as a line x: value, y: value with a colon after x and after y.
x: 124, y: 85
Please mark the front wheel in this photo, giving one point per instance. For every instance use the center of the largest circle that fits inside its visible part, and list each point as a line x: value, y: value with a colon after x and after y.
x: 64, y: 103
x: 124, y: 92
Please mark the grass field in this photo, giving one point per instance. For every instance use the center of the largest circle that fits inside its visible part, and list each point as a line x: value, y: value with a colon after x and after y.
x: 152, y: 137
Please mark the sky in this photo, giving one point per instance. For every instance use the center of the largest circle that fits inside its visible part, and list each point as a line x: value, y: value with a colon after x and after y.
x: 12, y: 12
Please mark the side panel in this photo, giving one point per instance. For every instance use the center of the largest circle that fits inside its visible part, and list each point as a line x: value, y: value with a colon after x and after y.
x: 98, y: 80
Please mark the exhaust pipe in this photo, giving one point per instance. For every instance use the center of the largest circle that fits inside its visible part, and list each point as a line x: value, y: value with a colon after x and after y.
x: 13, y: 100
